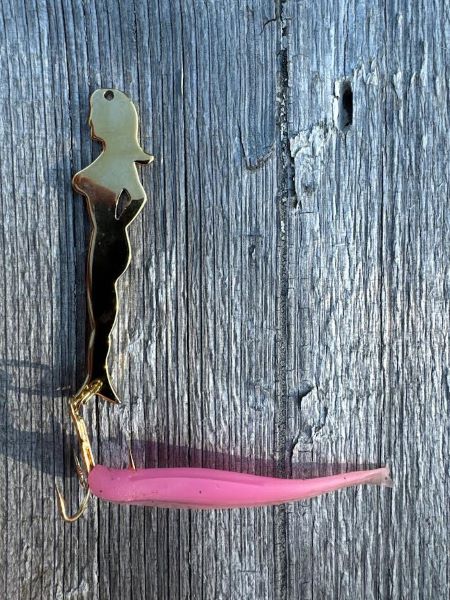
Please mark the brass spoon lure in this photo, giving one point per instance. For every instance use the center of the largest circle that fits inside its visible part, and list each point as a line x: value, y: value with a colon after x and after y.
x: 114, y: 197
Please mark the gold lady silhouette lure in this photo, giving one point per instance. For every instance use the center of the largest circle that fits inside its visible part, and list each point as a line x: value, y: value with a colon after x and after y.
x: 114, y: 196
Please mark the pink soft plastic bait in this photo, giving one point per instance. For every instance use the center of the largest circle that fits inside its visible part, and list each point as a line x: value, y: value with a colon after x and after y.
x: 210, y: 488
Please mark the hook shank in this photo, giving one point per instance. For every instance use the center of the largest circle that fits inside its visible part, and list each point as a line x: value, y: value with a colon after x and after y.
x: 75, y: 405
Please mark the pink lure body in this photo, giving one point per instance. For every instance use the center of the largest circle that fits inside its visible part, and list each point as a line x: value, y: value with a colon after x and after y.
x: 210, y: 488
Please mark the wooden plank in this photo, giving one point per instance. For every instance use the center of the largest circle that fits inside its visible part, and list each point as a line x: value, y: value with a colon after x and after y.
x: 368, y: 255
x: 194, y: 351
x: 286, y: 310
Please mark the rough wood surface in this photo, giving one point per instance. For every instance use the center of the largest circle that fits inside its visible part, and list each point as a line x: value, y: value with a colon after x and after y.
x: 286, y: 311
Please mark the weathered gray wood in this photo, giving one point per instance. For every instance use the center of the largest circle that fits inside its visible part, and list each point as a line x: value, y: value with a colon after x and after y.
x: 286, y: 310
x: 368, y: 295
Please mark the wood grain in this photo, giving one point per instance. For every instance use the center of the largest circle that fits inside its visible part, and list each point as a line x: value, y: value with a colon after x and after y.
x: 286, y: 311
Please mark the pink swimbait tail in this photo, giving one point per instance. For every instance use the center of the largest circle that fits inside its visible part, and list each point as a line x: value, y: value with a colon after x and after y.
x: 210, y: 488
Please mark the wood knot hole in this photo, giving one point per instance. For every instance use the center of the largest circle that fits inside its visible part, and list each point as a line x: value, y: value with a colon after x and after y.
x: 344, y: 106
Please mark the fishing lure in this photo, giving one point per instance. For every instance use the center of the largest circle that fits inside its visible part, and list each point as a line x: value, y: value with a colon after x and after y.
x: 114, y: 197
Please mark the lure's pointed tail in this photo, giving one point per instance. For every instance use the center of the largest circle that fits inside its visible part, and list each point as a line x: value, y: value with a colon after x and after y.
x: 106, y: 390
x: 108, y: 393
x: 209, y: 488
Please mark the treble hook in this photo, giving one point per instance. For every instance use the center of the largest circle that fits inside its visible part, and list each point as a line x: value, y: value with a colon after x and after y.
x: 75, y: 404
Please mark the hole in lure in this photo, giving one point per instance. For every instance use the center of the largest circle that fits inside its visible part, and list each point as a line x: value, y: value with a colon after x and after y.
x: 109, y: 95
x: 344, y: 100
x: 122, y: 204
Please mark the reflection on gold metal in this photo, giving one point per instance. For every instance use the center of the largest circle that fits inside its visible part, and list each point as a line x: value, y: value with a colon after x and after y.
x: 114, y: 197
